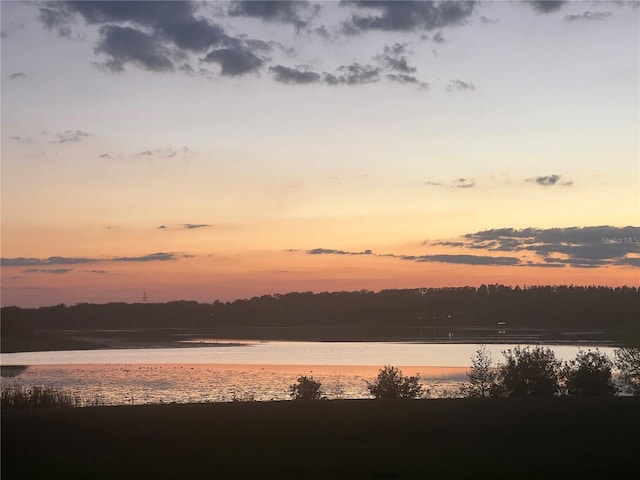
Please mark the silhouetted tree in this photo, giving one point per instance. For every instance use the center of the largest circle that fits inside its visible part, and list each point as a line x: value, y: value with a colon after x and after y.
x: 391, y: 383
x: 306, y: 388
x: 482, y: 376
x: 628, y: 362
x: 589, y: 374
x: 528, y: 373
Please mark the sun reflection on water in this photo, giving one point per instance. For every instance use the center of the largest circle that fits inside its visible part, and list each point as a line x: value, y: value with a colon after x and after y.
x: 196, y: 383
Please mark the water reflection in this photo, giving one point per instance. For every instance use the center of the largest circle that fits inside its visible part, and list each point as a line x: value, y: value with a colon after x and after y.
x: 194, y: 383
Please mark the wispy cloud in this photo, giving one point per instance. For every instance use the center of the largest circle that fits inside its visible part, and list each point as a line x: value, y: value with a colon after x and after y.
x: 457, y: 85
x: 70, y: 136
x: 56, y: 271
x: 328, y: 251
x: 578, y: 247
x: 588, y: 16
x: 17, y: 76
x: 550, y: 180
x: 38, y: 262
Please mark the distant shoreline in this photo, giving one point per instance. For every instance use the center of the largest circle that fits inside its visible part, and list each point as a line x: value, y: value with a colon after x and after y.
x: 87, y: 340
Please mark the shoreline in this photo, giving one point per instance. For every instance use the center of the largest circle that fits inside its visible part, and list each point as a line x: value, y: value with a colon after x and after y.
x: 87, y: 342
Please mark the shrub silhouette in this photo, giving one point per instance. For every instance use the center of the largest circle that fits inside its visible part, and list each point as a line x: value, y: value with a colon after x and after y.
x: 391, y: 383
x: 589, y: 374
x: 482, y: 376
x: 528, y: 373
x: 306, y: 388
x: 628, y: 362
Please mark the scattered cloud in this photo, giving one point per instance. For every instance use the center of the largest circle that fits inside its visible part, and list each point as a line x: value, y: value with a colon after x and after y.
x: 327, y: 251
x: 458, y: 259
x: 162, y: 153
x: 56, y: 271
x: 457, y: 85
x: 154, y: 257
x: 394, y: 57
x: 17, y: 76
x: 122, y: 45
x: 406, y: 16
x: 70, y: 136
x: 549, y: 180
x: 462, y: 259
x: 546, y: 6
x: 594, y: 16
x: 353, y: 74
x: 463, y: 183
x: 194, y: 226
x: 431, y: 183
x: 573, y: 246
x: 43, y: 262
x: 296, y: 76
x: 578, y: 247
x: 18, y: 139
x: 296, y: 13
x: 235, y: 61
x: 407, y: 79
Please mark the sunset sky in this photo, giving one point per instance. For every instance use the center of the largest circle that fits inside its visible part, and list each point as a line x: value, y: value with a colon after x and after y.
x: 221, y: 150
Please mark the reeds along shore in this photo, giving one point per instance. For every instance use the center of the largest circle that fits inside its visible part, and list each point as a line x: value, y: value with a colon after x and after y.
x: 464, y: 438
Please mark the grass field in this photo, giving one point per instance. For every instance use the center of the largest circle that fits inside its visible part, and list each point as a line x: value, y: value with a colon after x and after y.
x: 348, y: 439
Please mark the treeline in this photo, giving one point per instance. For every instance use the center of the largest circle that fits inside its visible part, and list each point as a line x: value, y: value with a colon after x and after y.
x: 424, y: 310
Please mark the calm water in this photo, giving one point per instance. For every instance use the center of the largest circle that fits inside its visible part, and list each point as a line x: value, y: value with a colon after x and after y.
x: 227, y: 371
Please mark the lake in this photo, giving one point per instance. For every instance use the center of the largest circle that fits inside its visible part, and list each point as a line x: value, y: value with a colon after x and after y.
x: 207, y: 371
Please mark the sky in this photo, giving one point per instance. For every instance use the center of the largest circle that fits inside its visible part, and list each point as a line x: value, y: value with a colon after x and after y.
x: 222, y: 150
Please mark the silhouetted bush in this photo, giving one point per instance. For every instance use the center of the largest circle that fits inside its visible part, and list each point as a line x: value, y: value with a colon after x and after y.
x: 482, y: 376
x: 628, y: 362
x: 391, y: 383
x: 528, y: 373
x: 306, y: 388
x: 589, y: 374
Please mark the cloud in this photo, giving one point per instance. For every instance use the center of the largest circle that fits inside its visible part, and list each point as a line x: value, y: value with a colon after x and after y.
x: 463, y: 183
x: 297, y: 13
x: 56, y: 271
x: 38, y: 262
x: 327, y: 251
x: 458, y: 259
x: 25, y: 140
x: 235, y: 61
x: 57, y: 19
x: 17, y: 76
x: 594, y: 16
x: 70, y: 136
x: 162, y: 153
x: 354, y: 74
x: 394, y: 57
x: 549, y: 180
x: 459, y: 85
x: 407, y: 79
x: 151, y: 35
x: 294, y: 76
x: 463, y: 259
x: 431, y: 183
x: 584, y: 247
x: 546, y: 6
x: 194, y: 226
x: 407, y: 16
x: 162, y: 227
x: 122, y: 45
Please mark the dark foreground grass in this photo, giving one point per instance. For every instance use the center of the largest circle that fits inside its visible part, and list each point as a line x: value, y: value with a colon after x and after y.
x: 347, y: 439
